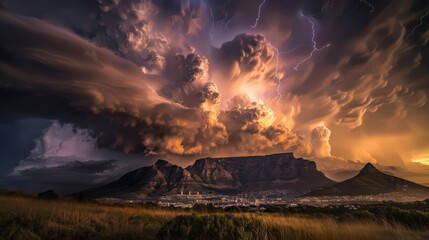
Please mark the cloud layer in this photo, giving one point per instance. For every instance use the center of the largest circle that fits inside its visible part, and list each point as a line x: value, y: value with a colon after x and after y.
x: 196, y: 78
x: 124, y: 108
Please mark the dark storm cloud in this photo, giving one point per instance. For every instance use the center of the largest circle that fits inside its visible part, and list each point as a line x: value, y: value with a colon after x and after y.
x: 68, y: 178
x: 246, y: 54
x: 76, y: 167
x: 70, y: 79
x: 181, y: 16
x: 367, y: 67
x: 187, y: 75
x: 374, y: 73
x: 367, y: 70
x: 138, y: 30
x: 98, y: 90
x: 187, y: 69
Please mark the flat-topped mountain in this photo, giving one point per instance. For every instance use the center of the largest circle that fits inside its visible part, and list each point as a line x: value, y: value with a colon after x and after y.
x: 256, y: 173
x: 371, y: 181
x: 221, y: 175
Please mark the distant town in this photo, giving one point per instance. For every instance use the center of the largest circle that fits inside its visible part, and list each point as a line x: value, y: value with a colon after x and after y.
x: 256, y: 199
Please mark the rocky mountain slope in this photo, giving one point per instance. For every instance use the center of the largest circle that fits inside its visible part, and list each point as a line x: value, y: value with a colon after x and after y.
x: 222, y: 175
x: 371, y: 181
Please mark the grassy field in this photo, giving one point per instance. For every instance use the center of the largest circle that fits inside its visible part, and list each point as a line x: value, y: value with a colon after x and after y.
x: 26, y: 217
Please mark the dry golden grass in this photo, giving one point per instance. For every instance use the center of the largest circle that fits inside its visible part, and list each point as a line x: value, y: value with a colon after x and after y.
x: 327, y: 228
x: 30, y: 218
x: 27, y: 218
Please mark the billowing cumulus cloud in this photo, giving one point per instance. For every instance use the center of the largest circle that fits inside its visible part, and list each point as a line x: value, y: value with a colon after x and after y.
x: 246, y: 54
x: 246, y: 65
x: 320, y: 141
x: 186, y: 75
x: 128, y: 26
x: 181, y: 17
x: 252, y: 129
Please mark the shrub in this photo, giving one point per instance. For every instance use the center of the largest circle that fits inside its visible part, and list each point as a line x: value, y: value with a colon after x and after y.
x: 212, y: 227
x: 411, y: 218
x: 362, y: 216
x: 233, y: 209
x: 48, y: 195
x: 204, y: 208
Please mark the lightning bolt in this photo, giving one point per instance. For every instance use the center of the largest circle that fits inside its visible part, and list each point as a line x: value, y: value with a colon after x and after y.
x: 325, y: 6
x: 315, y: 48
x: 322, y: 9
x: 294, y: 49
x: 276, y: 50
x: 227, y: 23
x: 259, y: 15
x: 213, y: 24
x: 368, y: 4
x: 418, y: 25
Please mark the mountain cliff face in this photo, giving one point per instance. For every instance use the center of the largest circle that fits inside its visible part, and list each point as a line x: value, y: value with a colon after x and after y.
x: 278, y: 171
x: 370, y: 181
x: 222, y: 175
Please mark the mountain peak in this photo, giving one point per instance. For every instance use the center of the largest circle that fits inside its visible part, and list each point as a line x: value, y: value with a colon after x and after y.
x: 371, y: 181
x: 162, y: 163
x: 369, y: 168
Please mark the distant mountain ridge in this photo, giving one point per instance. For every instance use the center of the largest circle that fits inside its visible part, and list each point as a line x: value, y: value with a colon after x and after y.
x: 222, y: 175
x: 371, y: 181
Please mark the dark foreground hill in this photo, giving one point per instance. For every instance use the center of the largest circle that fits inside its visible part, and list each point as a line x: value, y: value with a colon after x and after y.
x: 370, y: 181
x: 220, y: 175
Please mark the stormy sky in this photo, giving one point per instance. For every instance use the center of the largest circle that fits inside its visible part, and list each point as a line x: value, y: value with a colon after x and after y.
x: 92, y: 89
